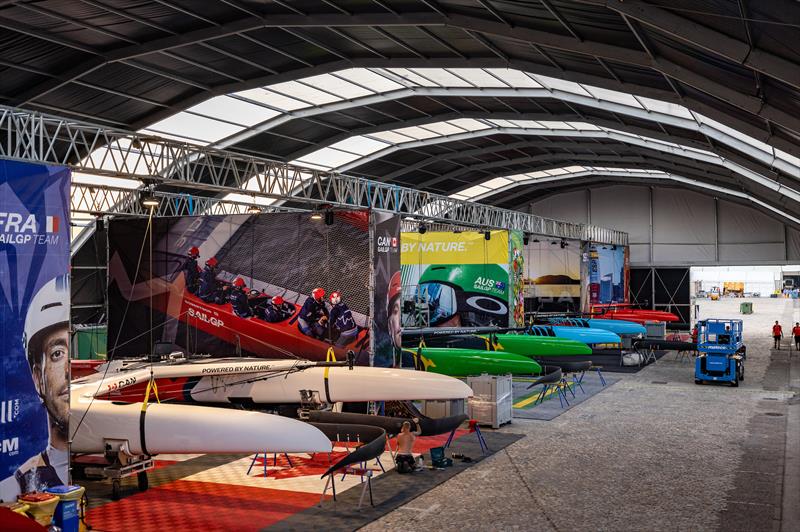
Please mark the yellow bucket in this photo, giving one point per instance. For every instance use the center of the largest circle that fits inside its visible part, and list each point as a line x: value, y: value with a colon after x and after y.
x: 42, y: 506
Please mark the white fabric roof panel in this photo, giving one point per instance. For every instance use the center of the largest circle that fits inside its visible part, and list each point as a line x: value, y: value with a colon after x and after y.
x: 683, y: 217
x: 623, y: 208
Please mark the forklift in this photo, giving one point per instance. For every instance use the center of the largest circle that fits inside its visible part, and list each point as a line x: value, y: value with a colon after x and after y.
x: 721, y: 352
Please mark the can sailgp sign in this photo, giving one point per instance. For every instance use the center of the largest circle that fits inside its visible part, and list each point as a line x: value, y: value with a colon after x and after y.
x: 17, y: 228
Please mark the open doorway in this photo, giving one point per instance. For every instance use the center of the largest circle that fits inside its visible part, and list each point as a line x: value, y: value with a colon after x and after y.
x: 712, y: 283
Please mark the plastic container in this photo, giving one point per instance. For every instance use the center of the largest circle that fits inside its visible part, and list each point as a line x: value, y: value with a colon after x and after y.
x: 746, y: 307
x: 67, y: 514
x: 42, y: 506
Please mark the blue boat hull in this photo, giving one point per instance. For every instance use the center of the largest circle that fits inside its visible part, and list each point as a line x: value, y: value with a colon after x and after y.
x: 587, y: 335
x: 619, y: 327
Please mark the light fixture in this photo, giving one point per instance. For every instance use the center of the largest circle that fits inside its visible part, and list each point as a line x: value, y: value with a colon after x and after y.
x: 525, y: 239
x: 536, y: 240
x: 487, y: 235
x: 422, y: 229
x: 564, y: 244
x: 316, y: 215
x: 329, y: 217
x: 254, y: 208
x: 149, y: 200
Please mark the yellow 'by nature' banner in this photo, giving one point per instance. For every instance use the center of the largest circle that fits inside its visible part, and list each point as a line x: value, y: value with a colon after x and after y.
x: 468, y: 247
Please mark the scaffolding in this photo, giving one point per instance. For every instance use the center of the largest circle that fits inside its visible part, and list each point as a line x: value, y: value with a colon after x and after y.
x: 157, y: 162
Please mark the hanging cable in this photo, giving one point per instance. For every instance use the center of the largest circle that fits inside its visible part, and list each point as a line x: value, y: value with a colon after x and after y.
x: 119, y: 332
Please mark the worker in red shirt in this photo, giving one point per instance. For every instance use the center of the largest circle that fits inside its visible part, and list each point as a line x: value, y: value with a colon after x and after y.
x: 796, y: 334
x: 777, y: 334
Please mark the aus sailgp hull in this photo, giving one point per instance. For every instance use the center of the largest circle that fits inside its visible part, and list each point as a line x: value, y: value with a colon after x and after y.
x: 530, y: 346
x: 465, y: 362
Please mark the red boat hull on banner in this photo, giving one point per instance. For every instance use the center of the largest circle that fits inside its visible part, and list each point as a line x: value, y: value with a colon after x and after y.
x: 262, y: 338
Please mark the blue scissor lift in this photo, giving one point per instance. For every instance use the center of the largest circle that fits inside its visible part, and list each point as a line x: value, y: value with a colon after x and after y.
x: 721, y: 352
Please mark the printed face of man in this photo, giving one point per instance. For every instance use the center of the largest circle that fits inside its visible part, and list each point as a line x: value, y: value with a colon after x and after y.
x: 52, y: 375
x: 395, y: 323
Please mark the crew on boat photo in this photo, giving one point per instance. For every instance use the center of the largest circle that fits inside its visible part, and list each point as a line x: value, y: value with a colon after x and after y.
x: 343, y: 327
x: 191, y: 270
x: 313, y: 317
x: 238, y: 299
x: 210, y: 290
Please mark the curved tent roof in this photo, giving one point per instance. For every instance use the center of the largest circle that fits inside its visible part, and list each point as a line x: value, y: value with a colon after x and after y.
x: 447, y: 95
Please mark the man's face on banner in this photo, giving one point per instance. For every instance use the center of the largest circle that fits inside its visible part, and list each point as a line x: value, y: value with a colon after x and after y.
x: 52, y: 374
x: 395, y: 322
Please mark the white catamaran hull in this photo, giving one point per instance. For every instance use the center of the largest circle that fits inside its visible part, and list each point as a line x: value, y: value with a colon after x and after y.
x: 345, y: 385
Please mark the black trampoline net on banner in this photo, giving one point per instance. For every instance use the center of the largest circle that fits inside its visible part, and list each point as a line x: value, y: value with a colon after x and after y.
x: 291, y: 251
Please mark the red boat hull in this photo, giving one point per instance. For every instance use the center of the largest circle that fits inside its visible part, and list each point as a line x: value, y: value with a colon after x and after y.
x: 275, y: 340
x: 639, y: 316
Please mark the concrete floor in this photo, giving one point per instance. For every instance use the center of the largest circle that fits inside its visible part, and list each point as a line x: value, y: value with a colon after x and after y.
x: 652, y: 452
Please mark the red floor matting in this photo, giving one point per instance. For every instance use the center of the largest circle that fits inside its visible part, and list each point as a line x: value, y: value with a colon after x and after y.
x: 189, y: 505
x: 201, y: 505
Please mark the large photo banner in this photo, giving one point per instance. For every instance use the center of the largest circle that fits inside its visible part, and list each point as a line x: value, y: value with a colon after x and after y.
x: 553, y: 276
x: 34, y: 311
x: 455, y: 279
x: 275, y: 285
x: 386, y: 312
x: 608, y: 273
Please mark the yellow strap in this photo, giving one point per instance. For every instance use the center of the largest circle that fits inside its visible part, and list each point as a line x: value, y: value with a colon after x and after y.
x: 422, y: 342
x: 329, y: 357
x: 151, y: 385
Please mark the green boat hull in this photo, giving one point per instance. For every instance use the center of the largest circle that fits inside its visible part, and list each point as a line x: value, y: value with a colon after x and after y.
x: 464, y: 362
x: 537, y: 346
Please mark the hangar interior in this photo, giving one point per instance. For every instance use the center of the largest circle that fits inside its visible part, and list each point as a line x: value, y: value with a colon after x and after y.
x: 667, y: 128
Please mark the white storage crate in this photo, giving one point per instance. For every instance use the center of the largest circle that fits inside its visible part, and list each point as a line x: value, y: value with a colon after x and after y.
x: 492, y: 402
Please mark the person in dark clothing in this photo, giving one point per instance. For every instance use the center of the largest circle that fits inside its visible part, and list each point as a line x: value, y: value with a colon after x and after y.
x: 238, y: 299
x: 209, y: 289
x: 341, y: 319
x: 191, y: 270
x: 277, y: 310
x: 313, y: 317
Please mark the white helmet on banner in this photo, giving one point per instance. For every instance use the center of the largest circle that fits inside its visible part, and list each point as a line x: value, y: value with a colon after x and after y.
x: 48, y: 309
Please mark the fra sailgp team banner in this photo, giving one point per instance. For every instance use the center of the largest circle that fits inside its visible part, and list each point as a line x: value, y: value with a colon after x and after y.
x: 34, y: 311
x: 454, y: 279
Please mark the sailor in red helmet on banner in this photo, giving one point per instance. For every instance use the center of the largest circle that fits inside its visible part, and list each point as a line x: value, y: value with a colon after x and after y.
x: 341, y: 319
x: 209, y: 290
x: 238, y: 299
x: 313, y: 317
x: 191, y: 270
x: 277, y: 310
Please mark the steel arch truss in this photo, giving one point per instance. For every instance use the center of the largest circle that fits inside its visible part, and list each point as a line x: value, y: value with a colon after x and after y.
x: 47, y: 139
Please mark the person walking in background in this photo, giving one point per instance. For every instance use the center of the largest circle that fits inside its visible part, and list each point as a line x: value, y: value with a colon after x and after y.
x: 796, y: 334
x: 777, y: 334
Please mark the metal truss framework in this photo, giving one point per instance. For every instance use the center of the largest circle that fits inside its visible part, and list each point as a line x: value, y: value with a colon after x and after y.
x: 101, y: 151
x: 639, y: 176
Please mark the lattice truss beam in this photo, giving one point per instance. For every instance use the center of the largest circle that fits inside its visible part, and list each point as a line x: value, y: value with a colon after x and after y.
x: 101, y: 151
